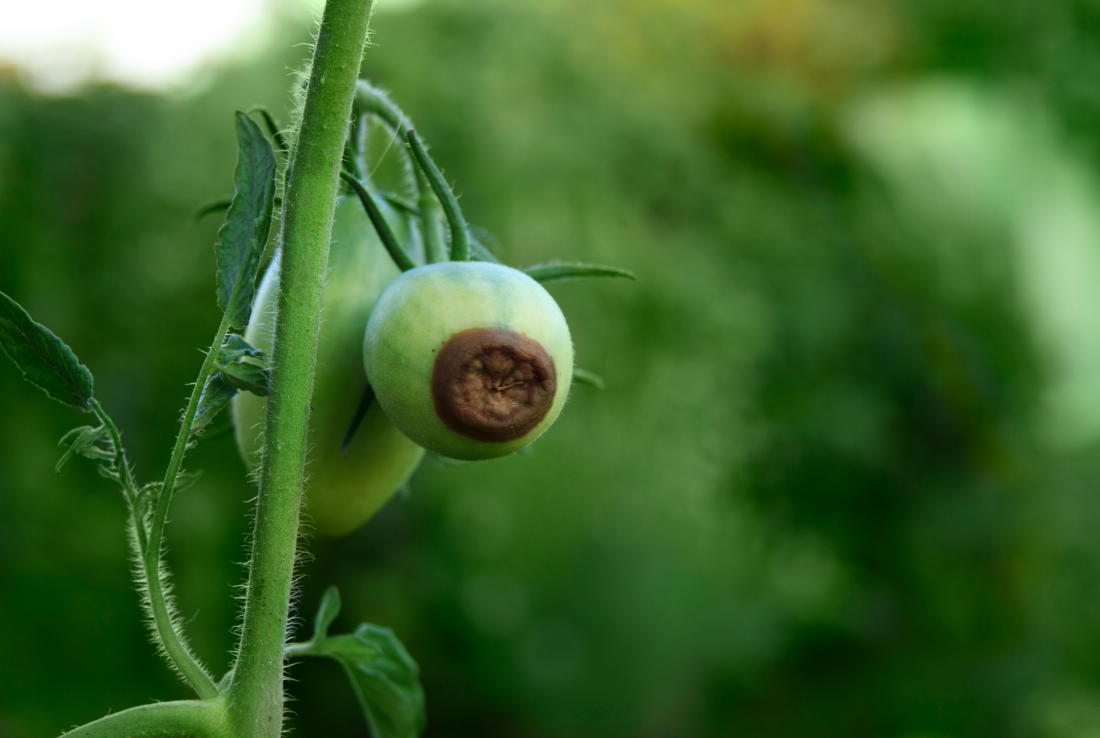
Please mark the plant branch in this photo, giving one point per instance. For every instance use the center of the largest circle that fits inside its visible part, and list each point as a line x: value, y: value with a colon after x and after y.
x: 256, y: 689
x: 460, y: 238
x: 370, y: 100
x: 385, y: 233
x: 187, y: 719
x: 126, y: 477
x: 166, y: 630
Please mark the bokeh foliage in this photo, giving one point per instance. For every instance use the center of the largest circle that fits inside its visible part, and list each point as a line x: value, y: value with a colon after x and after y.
x: 844, y: 478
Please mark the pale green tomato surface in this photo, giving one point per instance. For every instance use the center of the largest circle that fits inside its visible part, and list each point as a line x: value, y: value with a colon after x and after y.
x: 341, y: 492
x: 420, y: 310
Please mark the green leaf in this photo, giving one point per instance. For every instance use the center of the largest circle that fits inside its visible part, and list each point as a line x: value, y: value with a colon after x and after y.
x: 385, y: 679
x: 220, y: 206
x: 83, y: 441
x: 44, y: 359
x: 572, y: 270
x: 326, y: 613
x: 581, y: 376
x: 217, y: 206
x: 235, y: 348
x: 215, y: 395
x: 243, y: 236
x: 272, y: 127
x: 348, y: 649
x: 245, y: 376
x: 365, y: 401
x: 388, y: 686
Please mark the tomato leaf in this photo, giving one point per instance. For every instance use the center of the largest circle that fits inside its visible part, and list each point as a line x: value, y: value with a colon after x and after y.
x: 243, y: 236
x: 326, y: 613
x: 388, y: 687
x: 245, y: 376
x: 235, y: 348
x: 385, y: 679
x: 44, y: 359
x: 365, y: 401
x: 215, y: 395
x: 84, y: 441
x: 272, y: 128
x: 572, y: 270
x: 583, y: 376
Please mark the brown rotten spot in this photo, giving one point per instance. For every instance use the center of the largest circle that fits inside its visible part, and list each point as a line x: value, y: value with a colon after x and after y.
x: 491, y: 384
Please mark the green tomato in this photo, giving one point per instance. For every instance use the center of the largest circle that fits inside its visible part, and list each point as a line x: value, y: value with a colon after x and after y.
x: 342, y: 492
x: 471, y: 360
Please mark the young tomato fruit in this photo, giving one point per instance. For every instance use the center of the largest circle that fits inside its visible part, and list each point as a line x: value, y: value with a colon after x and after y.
x: 342, y: 492
x: 469, y: 359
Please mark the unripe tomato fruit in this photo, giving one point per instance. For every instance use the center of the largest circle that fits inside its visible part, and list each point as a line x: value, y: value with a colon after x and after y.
x: 341, y: 492
x: 469, y: 359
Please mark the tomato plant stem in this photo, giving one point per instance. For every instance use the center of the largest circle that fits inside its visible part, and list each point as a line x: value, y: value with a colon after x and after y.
x: 256, y: 689
x: 167, y: 630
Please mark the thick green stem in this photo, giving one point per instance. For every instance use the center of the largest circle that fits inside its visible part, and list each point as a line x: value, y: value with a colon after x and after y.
x: 256, y: 691
x: 170, y: 637
x: 190, y: 719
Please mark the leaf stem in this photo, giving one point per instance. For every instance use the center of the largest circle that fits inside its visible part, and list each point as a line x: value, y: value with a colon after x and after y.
x: 460, y: 238
x: 385, y: 233
x: 256, y: 688
x: 126, y: 478
x: 184, y: 719
x: 172, y: 640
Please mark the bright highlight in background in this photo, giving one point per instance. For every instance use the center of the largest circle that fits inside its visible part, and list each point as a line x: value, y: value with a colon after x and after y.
x: 58, y: 45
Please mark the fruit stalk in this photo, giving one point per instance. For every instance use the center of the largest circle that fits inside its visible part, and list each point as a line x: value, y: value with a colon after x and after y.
x: 256, y: 691
x: 372, y: 101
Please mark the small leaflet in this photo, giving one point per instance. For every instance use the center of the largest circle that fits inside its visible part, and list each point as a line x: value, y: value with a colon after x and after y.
x: 215, y: 395
x: 84, y: 441
x: 44, y: 359
x: 243, y: 236
x: 385, y: 679
x: 573, y: 270
x: 245, y: 377
x: 583, y: 376
x: 235, y: 348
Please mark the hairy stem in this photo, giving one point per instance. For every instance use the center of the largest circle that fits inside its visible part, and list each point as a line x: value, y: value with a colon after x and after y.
x: 256, y: 690
x: 189, y: 719
x: 126, y: 479
x: 167, y: 631
x: 381, y: 227
x: 460, y: 238
x: 370, y: 100
x: 126, y: 475
x: 431, y: 221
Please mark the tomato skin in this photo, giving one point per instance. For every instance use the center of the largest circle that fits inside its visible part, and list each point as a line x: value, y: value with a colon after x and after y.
x: 424, y: 309
x: 341, y: 492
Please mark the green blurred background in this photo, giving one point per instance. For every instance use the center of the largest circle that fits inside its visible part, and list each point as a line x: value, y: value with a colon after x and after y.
x: 844, y: 480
